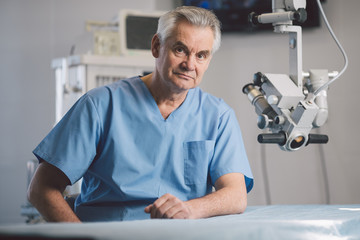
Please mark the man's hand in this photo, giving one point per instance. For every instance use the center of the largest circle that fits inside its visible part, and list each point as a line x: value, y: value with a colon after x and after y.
x: 230, y: 197
x: 169, y: 206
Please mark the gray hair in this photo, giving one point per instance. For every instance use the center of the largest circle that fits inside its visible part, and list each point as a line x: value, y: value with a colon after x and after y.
x: 195, y: 16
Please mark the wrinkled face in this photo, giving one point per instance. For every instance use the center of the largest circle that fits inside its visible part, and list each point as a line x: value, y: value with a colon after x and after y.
x: 184, y: 57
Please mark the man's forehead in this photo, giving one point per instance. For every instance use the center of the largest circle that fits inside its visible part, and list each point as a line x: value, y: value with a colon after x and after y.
x: 190, y: 36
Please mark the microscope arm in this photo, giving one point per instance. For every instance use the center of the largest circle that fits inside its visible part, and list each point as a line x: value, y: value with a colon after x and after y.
x: 289, y: 105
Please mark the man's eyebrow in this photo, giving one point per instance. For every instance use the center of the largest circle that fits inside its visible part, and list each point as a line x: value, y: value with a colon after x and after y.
x: 206, y: 52
x: 180, y: 43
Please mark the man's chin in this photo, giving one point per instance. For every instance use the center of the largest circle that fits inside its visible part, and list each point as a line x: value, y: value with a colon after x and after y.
x: 185, y: 85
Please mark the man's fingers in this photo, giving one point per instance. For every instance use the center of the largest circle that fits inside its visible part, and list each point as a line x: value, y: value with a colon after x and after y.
x: 160, y: 208
x: 168, y: 206
x: 148, y: 208
x: 174, y: 210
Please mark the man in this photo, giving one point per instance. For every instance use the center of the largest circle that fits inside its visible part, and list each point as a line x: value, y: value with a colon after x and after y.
x: 152, y: 146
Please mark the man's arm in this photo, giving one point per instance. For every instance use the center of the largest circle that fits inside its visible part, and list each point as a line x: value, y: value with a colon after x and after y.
x: 45, y: 193
x: 230, y: 197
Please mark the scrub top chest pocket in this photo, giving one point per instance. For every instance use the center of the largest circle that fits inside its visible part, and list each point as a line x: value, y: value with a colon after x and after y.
x: 197, y: 157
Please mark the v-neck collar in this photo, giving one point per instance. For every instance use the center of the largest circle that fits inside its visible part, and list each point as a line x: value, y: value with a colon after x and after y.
x: 154, y: 107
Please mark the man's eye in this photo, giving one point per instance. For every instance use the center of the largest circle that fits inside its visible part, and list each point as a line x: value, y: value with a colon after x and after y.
x: 179, y: 50
x: 202, y: 56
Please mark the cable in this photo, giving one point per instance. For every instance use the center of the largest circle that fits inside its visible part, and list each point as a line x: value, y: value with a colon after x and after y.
x: 340, y: 47
x: 322, y: 152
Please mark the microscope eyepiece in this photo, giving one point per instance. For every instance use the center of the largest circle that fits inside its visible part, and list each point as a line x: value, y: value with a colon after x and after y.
x: 253, y: 18
x: 297, y: 142
x: 300, y: 15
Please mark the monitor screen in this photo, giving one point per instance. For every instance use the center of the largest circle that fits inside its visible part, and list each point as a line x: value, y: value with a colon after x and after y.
x: 233, y: 14
x: 136, y: 29
x: 139, y: 31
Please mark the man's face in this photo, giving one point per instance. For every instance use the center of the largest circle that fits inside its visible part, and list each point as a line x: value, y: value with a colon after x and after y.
x: 184, y: 57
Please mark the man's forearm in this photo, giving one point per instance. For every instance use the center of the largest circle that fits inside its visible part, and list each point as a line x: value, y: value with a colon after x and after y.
x: 45, y: 194
x: 221, y: 202
x: 53, y: 207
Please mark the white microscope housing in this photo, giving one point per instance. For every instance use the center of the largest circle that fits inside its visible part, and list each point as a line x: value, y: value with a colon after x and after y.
x: 286, y: 104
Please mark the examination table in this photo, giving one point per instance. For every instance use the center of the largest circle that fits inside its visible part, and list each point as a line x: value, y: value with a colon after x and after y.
x: 258, y: 222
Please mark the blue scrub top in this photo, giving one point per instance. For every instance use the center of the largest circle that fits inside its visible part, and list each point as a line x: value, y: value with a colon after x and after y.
x: 128, y: 155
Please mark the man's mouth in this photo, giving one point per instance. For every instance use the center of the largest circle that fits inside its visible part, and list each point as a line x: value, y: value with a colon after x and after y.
x: 184, y: 76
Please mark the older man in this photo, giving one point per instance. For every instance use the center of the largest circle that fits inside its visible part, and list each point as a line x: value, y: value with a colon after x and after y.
x: 151, y: 146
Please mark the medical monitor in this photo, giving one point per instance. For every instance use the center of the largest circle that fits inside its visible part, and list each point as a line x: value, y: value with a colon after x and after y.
x: 136, y: 29
x: 233, y: 14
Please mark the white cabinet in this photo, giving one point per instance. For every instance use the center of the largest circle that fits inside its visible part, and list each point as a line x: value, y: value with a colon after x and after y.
x: 75, y: 75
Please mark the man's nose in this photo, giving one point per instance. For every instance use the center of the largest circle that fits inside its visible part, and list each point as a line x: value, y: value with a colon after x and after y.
x: 189, y: 63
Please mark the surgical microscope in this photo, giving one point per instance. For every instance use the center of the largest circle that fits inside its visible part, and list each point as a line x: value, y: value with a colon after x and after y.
x: 290, y: 106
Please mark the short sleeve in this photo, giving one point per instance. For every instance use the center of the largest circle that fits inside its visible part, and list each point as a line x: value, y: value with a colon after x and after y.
x: 229, y: 154
x: 71, y: 145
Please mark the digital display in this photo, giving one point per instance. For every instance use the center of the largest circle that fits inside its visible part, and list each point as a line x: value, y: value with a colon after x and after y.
x: 139, y: 31
x: 233, y: 14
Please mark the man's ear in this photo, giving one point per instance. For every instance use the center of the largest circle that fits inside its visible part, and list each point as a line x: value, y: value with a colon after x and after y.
x: 155, y: 46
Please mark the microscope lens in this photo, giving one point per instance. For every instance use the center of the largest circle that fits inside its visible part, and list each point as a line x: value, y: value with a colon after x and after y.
x: 297, y: 142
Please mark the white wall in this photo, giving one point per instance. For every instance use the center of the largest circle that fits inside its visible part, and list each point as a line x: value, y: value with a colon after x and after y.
x: 34, y: 32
